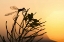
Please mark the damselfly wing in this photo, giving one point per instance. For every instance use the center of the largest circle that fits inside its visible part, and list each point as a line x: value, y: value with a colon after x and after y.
x: 13, y: 8
x: 10, y: 13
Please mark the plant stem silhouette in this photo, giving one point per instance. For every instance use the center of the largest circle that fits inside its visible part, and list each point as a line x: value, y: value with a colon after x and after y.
x: 27, y: 25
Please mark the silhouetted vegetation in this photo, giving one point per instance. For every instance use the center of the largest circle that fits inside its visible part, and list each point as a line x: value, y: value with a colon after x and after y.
x: 28, y: 24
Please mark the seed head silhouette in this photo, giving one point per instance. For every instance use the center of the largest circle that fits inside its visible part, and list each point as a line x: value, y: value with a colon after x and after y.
x: 30, y: 16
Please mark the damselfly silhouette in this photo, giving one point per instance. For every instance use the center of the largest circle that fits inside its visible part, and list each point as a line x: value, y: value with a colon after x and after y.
x: 17, y: 10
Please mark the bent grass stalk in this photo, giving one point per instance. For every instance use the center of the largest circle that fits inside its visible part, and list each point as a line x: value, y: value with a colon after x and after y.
x: 19, y: 36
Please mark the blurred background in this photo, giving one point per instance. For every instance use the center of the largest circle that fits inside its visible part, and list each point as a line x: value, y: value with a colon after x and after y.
x: 51, y: 11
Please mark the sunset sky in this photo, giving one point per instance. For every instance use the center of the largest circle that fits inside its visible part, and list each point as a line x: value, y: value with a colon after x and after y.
x: 51, y: 11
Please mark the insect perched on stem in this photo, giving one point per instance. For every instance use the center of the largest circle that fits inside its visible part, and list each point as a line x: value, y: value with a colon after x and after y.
x: 15, y: 8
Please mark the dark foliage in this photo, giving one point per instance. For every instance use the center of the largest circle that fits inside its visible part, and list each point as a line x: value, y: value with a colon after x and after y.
x: 31, y: 24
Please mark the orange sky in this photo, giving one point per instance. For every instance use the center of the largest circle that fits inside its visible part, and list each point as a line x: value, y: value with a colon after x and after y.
x: 50, y: 10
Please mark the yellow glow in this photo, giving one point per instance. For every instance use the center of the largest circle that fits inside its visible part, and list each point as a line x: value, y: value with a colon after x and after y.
x: 44, y: 8
x: 55, y: 25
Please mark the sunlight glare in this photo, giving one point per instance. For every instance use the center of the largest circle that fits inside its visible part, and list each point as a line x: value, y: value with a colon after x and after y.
x: 55, y: 25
